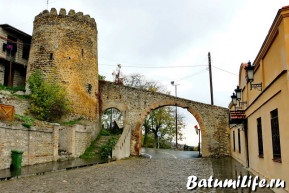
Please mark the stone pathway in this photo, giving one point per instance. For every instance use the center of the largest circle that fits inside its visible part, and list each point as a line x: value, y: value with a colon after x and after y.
x: 128, y: 176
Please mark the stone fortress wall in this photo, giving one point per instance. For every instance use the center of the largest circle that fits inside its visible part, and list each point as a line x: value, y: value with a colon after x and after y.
x: 64, y: 48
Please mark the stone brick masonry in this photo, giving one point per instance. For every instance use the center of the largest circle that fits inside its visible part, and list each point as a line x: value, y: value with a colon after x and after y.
x: 64, y: 48
x: 41, y: 143
x: 135, y: 105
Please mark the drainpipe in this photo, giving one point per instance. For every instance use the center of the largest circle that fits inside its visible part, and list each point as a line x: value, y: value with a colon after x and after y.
x: 246, y: 141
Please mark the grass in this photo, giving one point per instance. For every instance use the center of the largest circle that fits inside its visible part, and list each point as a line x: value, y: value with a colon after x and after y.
x: 12, y: 89
x: 90, y: 152
x: 72, y: 122
x: 28, y: 122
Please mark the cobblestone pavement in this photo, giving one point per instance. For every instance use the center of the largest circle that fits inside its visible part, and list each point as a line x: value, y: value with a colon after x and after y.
x: 130, y: 175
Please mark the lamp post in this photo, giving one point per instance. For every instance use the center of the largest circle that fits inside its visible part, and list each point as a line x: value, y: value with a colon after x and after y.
x: 173, y: 84
x: 234, y: 99
x: 238, y: 95
x: 198, y: 131
x: 250, y: 77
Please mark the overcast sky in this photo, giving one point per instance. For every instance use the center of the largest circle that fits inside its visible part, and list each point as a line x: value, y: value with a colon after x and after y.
x: 153, y: 37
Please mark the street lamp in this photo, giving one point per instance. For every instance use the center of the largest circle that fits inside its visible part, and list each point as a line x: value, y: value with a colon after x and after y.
x: 234, y: 99
x: 238, y: 94
x: 173, y: 84
x: 250, y: 77
x: 198, y: 131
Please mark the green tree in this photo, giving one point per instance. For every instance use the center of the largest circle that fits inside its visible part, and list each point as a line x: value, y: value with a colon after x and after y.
x: 162, y: 120
x: 48, y: 99
x: 159, y: 120
x: 101, y: 77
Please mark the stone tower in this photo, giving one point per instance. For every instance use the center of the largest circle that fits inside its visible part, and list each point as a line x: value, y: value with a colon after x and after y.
x: 64, y: 48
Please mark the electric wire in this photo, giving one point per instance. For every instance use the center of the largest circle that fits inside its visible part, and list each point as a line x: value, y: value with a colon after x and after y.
x: 189, y: 76
x: 224, y: 70
x: 5, y: 40
x: 128, y: 66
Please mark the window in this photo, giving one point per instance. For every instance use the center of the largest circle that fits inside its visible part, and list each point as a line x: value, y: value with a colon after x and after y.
x: 260, y: 139
x: 275, y: 136
x: 25, y: 51
x: 51, y: 56
x: 11, y: 45
x: 234, y: 141
x: 239, y: 141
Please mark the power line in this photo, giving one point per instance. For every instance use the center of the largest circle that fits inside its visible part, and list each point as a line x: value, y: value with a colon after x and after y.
x: 154, y: 66
x: 191, y: 75
x: 171, y: 67
x: 3, y: 39
x: 225, y: 70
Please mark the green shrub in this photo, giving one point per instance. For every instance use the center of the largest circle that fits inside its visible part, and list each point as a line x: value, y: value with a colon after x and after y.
x: 28, y: 122
x: 104, y: 132
x: 48, y: 99
x: 106, y: 150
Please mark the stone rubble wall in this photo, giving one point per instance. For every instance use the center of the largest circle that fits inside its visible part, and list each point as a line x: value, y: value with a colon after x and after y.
x: 2, y: 73
x: 41, y: 144
x: 64, y: 48
x: 75, y: 139
x: 20, y: 105
x: 38, y: 144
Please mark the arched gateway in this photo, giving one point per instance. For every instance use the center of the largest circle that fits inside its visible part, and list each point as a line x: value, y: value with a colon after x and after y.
x: 135, y: 105
x: 64, y: 48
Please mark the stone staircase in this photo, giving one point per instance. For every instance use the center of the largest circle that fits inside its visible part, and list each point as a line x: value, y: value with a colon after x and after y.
x: 94, y: 149
x: 102, y: 140
x: 95, y: 146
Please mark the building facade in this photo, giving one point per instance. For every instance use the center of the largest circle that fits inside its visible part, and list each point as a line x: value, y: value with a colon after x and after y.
x: 13, y: 55
x: 259, y: 118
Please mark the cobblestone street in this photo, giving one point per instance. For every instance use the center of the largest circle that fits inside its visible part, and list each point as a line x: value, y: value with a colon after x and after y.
x: 130, y: 175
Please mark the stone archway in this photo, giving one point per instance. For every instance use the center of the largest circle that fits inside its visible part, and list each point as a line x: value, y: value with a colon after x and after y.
x: 137, y: 103
x: 137, y: 132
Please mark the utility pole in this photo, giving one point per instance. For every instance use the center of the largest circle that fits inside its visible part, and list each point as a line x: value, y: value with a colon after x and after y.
x: 211, y: 82
x: 176, y: 94
x: 176, y: 119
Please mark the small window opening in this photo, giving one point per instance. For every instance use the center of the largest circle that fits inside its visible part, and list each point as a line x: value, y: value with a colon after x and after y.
x: 89, y: 88
x: 51, y: 56
x: 82, y: 52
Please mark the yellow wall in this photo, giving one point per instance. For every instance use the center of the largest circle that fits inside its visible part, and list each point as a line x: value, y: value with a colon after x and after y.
x: 240, y: 156
x: 271, y: 66
x: 266, y: 166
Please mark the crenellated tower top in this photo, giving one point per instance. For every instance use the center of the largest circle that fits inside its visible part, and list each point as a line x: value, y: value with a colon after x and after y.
x: 45, y: 16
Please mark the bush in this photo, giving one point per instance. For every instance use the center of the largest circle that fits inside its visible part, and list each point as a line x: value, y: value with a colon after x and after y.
x: 28, y: 122
x: 104, y: 132
x: 106, y: 150
x: 48, y: 99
